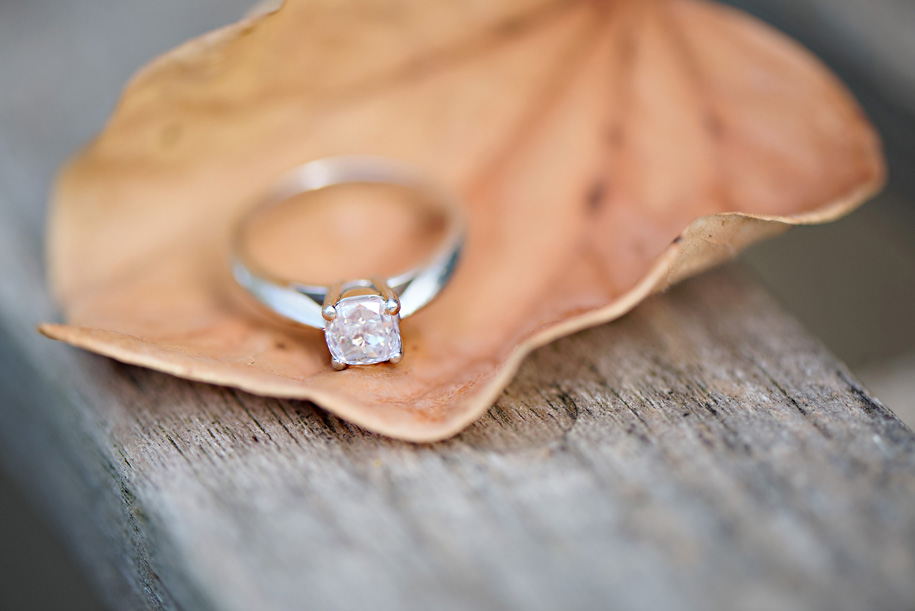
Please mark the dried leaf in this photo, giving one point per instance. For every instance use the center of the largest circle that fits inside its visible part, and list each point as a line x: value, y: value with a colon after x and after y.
x: 604, y: 149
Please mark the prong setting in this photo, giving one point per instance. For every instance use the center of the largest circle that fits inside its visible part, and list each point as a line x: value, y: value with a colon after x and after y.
x: 329, y: 307
x: 338, y: 364
x: 391, y: 302
x: 396, y: 358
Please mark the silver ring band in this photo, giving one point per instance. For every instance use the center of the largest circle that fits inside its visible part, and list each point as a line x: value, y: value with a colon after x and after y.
x: 314, y: 304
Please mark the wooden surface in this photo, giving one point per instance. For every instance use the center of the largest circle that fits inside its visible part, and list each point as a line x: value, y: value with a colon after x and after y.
x: 702, y: 453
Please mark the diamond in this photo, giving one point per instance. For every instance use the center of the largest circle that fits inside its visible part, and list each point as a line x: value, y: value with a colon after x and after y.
x: 362, y: 332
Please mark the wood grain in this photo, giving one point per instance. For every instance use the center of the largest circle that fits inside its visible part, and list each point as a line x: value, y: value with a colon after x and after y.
x: 703, y: 452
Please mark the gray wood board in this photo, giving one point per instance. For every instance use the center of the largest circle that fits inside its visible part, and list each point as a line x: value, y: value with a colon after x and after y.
x: 704, y: 452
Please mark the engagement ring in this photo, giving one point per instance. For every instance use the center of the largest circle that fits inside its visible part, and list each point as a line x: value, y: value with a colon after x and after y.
x: 360, y: 316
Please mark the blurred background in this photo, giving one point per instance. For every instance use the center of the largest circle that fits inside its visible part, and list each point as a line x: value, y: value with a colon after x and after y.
x: 852, y: 283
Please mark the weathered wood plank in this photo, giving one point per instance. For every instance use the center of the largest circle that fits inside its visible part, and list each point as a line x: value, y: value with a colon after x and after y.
x: 702, y: 453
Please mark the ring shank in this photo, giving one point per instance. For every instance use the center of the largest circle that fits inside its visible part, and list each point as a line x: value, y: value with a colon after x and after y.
x: 300, y: 301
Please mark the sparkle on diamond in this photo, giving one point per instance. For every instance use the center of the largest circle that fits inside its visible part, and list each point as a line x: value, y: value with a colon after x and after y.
x: 362, y: 333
